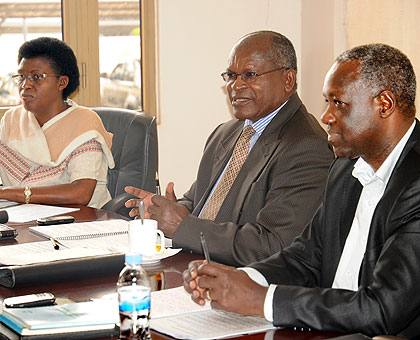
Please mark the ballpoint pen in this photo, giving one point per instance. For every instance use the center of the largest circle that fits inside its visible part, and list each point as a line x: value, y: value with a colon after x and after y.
x: 141, y: 211
x: 157, y: 184
x: 54, y: 243
x: 204, y: 247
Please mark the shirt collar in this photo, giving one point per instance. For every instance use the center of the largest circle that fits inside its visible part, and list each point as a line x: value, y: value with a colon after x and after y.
x: 364, y: 172
x: 262, y: 123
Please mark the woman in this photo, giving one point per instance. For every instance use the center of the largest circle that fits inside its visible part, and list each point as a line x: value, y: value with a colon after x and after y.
x: 52, y: 151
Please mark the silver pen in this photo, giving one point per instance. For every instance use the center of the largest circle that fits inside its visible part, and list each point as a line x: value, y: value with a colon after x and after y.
x: 141, y: 211
x: 204, y: 247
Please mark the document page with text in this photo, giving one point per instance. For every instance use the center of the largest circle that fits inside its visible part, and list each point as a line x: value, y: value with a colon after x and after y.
x: 175, y: 314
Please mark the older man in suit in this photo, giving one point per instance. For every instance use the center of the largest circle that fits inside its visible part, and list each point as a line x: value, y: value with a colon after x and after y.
x: 253, y: 193
x: 355, y: 268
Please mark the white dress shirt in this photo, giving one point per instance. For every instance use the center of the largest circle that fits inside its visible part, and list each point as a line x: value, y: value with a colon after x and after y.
x: 374, y: 184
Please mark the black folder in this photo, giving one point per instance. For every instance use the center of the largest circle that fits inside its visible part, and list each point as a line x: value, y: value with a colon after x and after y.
x: 71, y: 269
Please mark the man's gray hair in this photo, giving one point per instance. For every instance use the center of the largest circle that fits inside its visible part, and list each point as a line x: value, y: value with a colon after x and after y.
x: 281, y: 53
x: 383, y: 67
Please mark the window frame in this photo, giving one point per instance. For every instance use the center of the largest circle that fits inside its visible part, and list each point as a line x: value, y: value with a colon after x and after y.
x: 81, y: 32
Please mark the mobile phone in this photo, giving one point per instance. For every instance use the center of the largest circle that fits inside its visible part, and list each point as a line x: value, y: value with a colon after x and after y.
x: 55, y: 220
x: 7, y: 233
x: 31, y: 300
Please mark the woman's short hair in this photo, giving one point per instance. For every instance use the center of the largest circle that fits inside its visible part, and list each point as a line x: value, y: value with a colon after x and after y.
x: 59, y: 54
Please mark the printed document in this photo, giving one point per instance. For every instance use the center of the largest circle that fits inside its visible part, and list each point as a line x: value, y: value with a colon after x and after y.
x: 175, y: 314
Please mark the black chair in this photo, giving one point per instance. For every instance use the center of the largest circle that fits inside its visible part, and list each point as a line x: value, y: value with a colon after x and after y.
x: 135, y: 151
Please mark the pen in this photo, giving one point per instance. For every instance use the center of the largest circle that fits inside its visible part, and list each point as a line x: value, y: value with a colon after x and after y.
x: 141, y: 211
x: 204, y: 247
x: 54, y: 243
x: 157, y: 183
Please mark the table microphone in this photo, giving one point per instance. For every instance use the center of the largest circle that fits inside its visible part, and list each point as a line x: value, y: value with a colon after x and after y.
x: 4, y: 216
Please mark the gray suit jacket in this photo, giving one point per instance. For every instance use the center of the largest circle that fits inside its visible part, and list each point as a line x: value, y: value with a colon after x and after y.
x: 275, y: 194
x: 388, y: 299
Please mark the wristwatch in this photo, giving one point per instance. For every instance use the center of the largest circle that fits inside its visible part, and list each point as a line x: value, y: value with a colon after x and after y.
x: 28, y: 193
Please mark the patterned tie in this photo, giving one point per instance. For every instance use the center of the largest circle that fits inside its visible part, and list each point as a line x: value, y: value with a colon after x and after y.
x: 240, y: 152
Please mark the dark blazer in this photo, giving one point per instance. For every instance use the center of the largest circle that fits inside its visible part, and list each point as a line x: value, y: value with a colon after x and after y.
x: 274, y: 196
x: 388, y: 299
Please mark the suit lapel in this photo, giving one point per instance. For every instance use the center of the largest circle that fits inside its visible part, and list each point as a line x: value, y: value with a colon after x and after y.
x: 256, y: 161
x: 406, y: 169
x: 352, y: 190
x: 222, y: 153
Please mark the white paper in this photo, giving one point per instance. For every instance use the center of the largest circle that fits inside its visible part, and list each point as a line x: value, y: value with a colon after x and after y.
x: 82, y: 230
x: 85, y: 236
x: 175, y: 314
x: 29, y: 212
x: 210, y: 324
x: 38, y: 252
x: 173, y: 301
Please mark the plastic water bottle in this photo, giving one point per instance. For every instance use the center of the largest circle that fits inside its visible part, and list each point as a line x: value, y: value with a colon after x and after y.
x: 133, y: 289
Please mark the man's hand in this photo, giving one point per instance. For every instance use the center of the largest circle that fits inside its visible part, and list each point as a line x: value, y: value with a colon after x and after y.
x: 190, y: 277
x: 168, y: 213
x: 163, y: 209
x: 134, y: 203
x: 228, y: 289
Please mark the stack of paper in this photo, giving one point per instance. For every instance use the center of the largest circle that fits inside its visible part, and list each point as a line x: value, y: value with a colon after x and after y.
x: 93, y: 317
x: 175, y: 314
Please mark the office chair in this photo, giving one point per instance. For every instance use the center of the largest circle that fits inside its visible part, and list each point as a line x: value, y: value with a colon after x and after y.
x: 135, y: 151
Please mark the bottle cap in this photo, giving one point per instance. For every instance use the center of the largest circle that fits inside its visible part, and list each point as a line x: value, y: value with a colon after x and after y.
x: 133, y: 259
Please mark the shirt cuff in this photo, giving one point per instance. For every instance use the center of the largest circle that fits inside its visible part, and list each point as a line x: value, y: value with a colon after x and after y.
x: 257, y: 277
x: 268, y: 303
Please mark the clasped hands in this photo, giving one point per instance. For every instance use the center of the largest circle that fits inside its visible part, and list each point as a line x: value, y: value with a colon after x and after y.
x: 164, y: 209
x: 226, y: 287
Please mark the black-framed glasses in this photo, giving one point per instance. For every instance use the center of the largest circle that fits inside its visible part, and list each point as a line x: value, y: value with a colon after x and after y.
x: 34, y: 78
x: 247, y: 76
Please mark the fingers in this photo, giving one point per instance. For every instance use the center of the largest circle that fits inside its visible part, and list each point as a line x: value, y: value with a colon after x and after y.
x: 133, y: 191
x: 191, y: 284
x: 142, y: 194
x: 133, y: 212
x: 170, y: 193
x: 213, y: 269
x: 132, y: 203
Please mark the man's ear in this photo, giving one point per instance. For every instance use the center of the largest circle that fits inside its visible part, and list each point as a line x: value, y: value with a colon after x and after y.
x: 386, y: 101
x: 63, y: 81
x: 290, y: 77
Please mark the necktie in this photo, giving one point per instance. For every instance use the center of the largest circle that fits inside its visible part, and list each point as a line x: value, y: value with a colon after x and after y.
x: 240, y: 152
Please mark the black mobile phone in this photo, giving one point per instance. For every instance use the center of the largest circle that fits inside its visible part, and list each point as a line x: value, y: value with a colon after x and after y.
x: 31, y: 300
x: 55, y: 220
x: 7, y: 233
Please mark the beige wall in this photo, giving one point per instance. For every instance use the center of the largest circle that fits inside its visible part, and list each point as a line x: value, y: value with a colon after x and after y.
x: 387, y: 21
x: 195, y: 38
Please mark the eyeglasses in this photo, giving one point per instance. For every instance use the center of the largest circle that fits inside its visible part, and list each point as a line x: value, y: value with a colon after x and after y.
x: 34, y: 78
x: 247, y: 77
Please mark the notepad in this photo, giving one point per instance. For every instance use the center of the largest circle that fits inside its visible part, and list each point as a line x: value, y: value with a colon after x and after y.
x: 93, y: 316
x: 83, y: 230
x: 109, y: 236
x: 175, y: 314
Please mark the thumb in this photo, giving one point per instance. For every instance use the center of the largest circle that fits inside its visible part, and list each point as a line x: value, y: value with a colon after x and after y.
x: 170, y: 193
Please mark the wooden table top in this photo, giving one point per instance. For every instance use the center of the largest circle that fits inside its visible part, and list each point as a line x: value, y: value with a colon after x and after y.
x: 166, y: 274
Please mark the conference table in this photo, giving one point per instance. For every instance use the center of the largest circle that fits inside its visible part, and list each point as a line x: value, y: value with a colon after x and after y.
x: 166, y: 274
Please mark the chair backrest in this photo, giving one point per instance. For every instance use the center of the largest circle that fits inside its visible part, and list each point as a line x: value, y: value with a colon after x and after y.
x: 135, y: 151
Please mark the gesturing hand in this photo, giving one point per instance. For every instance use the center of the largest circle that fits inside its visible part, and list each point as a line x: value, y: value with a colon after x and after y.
x: 163, y: 209
x: 134, y: 203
